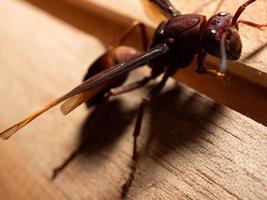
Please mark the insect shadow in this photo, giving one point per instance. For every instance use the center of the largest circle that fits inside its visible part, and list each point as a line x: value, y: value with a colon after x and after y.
x: 173, y: 124
x: 176, y: 120
x: 106, y: 129
x: 100, y: 130
x: 185, y: 119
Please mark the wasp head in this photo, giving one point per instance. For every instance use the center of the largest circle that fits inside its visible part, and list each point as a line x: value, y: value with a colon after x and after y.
x: 220, y: 29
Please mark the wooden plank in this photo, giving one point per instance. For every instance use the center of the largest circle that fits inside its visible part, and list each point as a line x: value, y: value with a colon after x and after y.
x: 189, y: 148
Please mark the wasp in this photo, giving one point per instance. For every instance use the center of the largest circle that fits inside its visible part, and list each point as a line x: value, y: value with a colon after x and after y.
x: 177, y: 40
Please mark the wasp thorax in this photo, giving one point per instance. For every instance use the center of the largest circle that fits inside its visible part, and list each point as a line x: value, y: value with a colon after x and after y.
x: 219, y: 28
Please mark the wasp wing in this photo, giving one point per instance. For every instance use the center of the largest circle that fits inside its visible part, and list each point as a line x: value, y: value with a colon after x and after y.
x: 73, y: 102
x: 100, y: 78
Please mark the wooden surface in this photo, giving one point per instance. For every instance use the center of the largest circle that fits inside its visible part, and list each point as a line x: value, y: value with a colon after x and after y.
x: 190, y: 147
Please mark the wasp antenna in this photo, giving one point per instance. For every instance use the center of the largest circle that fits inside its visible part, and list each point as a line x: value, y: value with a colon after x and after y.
x: 223, y: 64
x: 240, y: 10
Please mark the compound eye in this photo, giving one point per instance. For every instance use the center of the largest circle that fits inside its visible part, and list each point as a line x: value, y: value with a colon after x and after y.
x: 213, y: 32
x: 212, y: 42
x: 212, y: 35
x: 222, y: 14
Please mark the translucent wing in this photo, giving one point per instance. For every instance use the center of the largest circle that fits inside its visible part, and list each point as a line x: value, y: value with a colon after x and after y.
x: 95, y: 81
x: 73, y: 102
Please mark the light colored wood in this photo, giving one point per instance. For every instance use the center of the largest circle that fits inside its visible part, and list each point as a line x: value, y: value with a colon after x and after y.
x: 190, y: 146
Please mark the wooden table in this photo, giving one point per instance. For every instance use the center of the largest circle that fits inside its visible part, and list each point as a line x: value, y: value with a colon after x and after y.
x: 191, y: 147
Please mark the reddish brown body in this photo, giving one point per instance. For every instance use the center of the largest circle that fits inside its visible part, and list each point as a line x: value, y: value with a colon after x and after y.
x: 109, y: 59
x: 184, y: 34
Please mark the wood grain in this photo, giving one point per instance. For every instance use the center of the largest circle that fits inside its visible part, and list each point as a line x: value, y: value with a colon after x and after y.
x: 190, y: 148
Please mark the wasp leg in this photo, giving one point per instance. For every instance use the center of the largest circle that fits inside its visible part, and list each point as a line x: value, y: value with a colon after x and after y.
x: 201, y: 69
x: 166, y: 8
x: 113, y: 92
x: 252, y: 24
x: 151, y: 95
x: 143, y: 32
